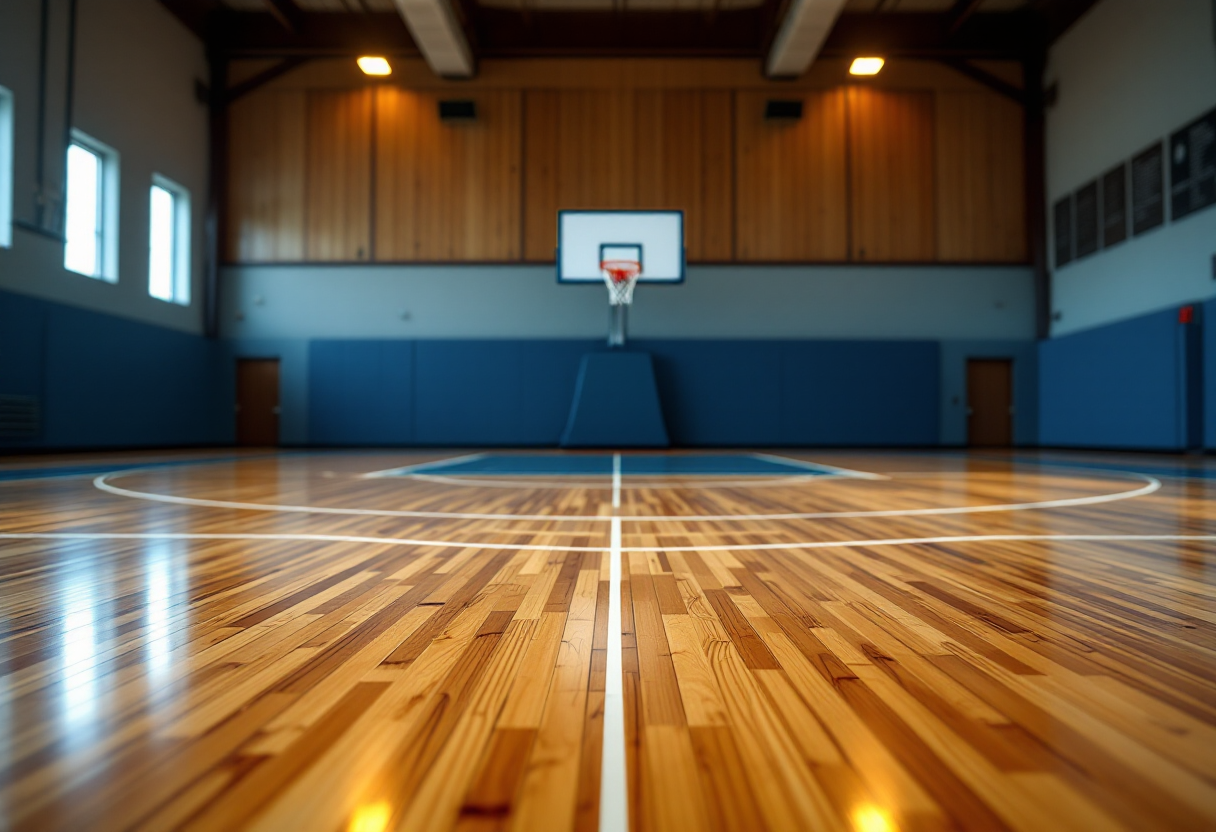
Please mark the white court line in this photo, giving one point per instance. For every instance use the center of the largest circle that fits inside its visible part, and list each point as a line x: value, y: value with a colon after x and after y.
x: 407, y: 469
x: 457, y: 544
x: 819, y: 466
x: 614, y: 784
x: 101, y: 483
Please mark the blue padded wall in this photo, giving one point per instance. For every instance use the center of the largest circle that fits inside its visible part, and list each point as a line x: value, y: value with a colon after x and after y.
x: 1117, y: 386
x: 105, y: 381
x: 798, y: 392
x: 719, y: 392
x: 1209, y: 374
x: 361, y: 392
x: 860, y: 392
x: 495, y: 392
x: 726, y: 393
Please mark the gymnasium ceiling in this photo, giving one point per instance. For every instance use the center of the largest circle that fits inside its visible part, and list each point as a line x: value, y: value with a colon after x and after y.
x: 472, y: 29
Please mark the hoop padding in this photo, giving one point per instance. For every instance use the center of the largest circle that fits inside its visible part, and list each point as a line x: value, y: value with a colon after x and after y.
x: 621, y: 276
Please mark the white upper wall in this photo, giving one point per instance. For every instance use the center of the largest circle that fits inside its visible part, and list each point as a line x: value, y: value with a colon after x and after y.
x: 136, y: 65
x: 1130, y: 72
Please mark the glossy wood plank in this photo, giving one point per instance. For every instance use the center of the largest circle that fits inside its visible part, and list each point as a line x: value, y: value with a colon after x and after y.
x: 295, y: 683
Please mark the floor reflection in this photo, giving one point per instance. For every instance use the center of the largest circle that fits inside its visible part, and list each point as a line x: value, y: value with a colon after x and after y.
x: 79, y: 654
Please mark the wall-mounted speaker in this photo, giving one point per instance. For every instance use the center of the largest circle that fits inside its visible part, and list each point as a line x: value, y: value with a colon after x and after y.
x: 458, y: 110
x: 777, y: 109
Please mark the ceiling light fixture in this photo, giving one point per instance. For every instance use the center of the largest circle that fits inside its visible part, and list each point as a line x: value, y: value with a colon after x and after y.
x: 866, y: 66
x: 374, y: 65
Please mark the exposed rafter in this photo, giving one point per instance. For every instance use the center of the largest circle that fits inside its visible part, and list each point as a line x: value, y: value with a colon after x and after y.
x: 992, y: 82
x: 473, y: 30
x: 1055, y: 16
x: 911, y: 35
x: 286, y: 12
x: 962, y: 10
x: 264, y: 77
x: 436, y: 29
x: 731, y: 32
x: 803, y: 30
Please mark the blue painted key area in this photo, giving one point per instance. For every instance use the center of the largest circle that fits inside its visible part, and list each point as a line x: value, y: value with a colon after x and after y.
x: 634, y: 465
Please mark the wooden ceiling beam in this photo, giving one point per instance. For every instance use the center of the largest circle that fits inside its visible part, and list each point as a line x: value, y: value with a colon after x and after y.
x: 286, y: 12
x: 962, y: 10
x: 499, y: 32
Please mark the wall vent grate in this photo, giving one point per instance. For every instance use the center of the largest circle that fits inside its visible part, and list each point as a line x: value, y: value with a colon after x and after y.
x: 20, y: 416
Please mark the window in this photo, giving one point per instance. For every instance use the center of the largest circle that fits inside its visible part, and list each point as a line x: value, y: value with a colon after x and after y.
x: 91, y: 214
x: 169, y: 241
x: 6, y: 168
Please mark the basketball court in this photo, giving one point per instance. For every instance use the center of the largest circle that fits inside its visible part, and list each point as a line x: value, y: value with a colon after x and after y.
x: 553, y: 417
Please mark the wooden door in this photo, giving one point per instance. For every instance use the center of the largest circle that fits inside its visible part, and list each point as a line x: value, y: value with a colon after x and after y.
x: 257, y: 401
x: 990, y: 402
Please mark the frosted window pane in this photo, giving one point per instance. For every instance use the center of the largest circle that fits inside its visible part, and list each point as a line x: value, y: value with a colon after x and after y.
x: 83, y: 251
x: 160, y: 244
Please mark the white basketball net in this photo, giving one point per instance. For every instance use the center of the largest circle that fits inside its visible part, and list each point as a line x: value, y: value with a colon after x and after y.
x: 620, y: 276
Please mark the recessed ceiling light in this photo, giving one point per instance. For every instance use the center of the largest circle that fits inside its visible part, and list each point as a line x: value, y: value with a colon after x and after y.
x: 866, y: 66
x: 373, y: 65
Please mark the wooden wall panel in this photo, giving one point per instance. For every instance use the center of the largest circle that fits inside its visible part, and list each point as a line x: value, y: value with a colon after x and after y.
x: 920, y: 164
x: 891, y: 154
x: 628, y: 149
x: 541, y: 141
x: 338, y: 175
x: 264, y: 220
x: 791, y: 199
x: 578, y: 153
x: 683, y: 160
x: 447, y: 190
x: 981, y: 189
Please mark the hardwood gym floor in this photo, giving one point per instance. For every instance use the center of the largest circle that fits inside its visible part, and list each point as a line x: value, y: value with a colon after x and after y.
x: 275, y: 642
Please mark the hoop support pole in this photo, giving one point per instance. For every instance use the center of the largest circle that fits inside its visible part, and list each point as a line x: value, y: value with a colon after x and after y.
x: 617, y: 318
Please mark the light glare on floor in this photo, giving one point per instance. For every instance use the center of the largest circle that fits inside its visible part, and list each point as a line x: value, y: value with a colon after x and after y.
x: 373, y: 818
x: 872, y: 819
x: 372, y: 65
x: 866, y: 66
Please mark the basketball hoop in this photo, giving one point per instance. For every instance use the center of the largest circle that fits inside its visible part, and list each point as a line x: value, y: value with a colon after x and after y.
x: 621, y: 276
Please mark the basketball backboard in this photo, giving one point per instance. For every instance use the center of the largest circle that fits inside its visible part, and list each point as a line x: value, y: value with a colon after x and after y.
x: 585, y: 239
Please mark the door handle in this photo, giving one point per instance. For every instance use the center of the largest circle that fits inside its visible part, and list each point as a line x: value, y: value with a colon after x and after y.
x: 276, y: 410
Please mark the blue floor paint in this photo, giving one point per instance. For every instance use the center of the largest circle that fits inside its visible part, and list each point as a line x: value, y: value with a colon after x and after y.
x: 631, y: 465
x: 1180, y: 472
x: 97, y: 469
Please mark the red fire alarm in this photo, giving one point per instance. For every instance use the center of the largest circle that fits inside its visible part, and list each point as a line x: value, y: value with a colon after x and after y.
x: 1186, y: 314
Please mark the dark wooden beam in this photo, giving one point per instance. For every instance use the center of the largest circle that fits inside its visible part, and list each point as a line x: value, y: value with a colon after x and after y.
x: 913, y: 35
x: 286, y: 12
x: 317, y: 35
x: 195, y: 14
x: 508, y: 33
x: 1056, y: 16
x: 983, y: 76
x: 499, y: 32
x: 962, y: 10
x: 264, y: 77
